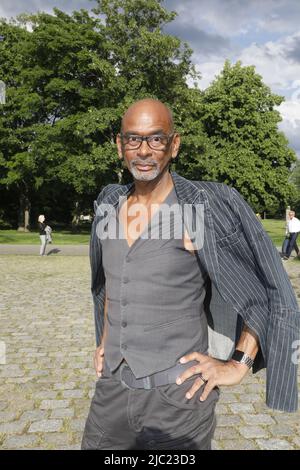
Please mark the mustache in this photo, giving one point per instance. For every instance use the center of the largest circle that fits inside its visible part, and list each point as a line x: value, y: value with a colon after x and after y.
x: 138, y: 161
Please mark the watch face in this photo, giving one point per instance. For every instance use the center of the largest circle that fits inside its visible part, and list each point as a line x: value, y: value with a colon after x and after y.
x: 237, y: 355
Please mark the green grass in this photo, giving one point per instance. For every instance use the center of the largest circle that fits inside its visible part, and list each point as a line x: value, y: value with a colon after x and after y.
x: 274, y: 228
x: 62, y: 237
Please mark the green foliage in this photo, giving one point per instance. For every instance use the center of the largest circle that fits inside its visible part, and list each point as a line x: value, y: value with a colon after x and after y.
x: 70, y: 78
x: 241, y: 120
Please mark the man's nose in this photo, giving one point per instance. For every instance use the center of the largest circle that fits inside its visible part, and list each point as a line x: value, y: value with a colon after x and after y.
x: 144, y: 148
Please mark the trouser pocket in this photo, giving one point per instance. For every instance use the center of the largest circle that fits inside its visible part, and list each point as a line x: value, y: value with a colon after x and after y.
x: 93, y: 435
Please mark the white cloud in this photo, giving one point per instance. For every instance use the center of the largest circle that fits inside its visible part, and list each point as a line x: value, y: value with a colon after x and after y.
x: 292, y: 133
x: 290, y: 125
x: 274, y: 62
x: 9, y: 8
x: 209, y: 71
x: 239, y: 17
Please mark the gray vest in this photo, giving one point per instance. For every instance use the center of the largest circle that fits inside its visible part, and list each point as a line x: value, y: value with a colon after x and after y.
x: 155, y: 291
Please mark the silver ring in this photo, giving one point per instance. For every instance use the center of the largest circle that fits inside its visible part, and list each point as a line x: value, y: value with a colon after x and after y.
x: 202, y: 378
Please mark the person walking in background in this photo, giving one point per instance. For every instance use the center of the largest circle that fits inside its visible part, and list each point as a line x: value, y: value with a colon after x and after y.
x: 43, y: 235
x: 293, y: 229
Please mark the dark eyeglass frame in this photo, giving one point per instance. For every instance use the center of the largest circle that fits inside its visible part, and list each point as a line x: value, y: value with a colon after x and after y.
x: 146, y: 138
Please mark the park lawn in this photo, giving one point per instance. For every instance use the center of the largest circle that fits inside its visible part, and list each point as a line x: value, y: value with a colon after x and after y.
x: 62, y: 237
x: 274, y: 228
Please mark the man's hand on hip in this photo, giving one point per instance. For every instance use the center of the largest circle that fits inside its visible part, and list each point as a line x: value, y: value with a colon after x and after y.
x: 213, y: 373
x: 98, y: 360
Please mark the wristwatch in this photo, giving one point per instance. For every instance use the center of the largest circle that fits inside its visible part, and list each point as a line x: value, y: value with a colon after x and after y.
x: 242, y: 358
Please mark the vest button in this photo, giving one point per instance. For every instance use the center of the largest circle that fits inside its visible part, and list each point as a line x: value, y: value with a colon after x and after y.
x: 124, y: 324
x: 127, y: 259
x: 125, y: 280
x: 124, y: 303
x: 124, y: 346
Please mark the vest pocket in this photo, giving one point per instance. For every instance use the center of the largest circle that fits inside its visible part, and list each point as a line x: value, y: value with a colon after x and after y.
x: 182, y: 319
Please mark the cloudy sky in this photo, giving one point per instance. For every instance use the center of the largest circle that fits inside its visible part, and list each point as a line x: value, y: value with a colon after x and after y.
x: 264, y: 33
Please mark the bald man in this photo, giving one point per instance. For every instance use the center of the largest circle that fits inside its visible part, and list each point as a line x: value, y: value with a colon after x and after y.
x: 175, y: 265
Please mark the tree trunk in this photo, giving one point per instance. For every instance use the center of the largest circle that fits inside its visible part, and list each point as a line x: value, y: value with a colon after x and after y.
x: 24, y: 213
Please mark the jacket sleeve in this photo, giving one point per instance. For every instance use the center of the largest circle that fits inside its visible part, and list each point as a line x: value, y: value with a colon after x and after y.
x: 97, y: 275
x: 283, y: 317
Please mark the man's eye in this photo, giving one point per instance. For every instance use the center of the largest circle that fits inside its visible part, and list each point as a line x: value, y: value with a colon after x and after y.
x: 133, y: 139
x: 156, y: 138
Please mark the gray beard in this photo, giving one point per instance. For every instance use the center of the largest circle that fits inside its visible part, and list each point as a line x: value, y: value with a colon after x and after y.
x: 140, y: 176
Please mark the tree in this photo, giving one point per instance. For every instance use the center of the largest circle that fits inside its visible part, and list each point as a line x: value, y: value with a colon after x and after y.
x: 84, y: 72
x: 241, y: 120
x: 16, y: 118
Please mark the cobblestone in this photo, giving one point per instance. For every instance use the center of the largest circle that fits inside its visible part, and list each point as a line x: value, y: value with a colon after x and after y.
x: 258, y: 419
x: 237, y: 444
x: 62, y: 413
x: 241, y: 408
x: 73, y: 394
x: 48, y: 380
x: 19, y: 442
x: 274, y: 444
x: 53, y: 404
x: 7, y: 416
x: 54, y: 440
x: 13, y: 427
x: 253, y: 431
x: 34, y: 415
x: 46, y: 425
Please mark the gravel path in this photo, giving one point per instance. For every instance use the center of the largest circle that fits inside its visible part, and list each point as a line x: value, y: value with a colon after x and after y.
x: 51, y: 250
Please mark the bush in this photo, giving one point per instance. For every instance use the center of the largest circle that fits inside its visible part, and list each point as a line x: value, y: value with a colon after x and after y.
x: 4, y: 225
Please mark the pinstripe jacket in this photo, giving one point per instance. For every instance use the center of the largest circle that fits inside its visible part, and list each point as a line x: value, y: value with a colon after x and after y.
x: 248, y: 283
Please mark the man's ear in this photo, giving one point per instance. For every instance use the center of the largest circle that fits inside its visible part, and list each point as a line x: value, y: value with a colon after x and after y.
x: 175, y: 145
x: 119, y: 146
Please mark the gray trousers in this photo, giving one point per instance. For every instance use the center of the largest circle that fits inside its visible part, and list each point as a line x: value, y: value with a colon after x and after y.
x: 43, y: 244
x: 162, y: 418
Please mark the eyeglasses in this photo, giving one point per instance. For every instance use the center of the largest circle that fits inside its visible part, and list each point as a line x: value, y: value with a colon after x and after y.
x: 155, y: 142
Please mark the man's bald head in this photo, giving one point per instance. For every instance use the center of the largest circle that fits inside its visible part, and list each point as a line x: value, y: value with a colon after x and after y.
x: 149, y: 112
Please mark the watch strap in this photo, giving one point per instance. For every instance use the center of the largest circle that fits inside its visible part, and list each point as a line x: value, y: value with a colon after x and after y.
x: 242, y: 358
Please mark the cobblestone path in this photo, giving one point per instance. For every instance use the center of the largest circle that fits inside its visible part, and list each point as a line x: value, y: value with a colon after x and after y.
x: 48, y: 380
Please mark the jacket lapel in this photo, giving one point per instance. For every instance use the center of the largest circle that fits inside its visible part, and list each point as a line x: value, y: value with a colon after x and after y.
x: 190, y: 193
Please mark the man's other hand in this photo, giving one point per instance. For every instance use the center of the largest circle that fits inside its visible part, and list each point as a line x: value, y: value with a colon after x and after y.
x: 98, y: 360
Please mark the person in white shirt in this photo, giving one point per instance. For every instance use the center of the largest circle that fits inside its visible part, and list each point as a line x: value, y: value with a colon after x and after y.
x: 293, y: 229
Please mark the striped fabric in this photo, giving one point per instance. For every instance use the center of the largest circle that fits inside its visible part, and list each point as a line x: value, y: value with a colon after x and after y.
x: 247, y: 278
